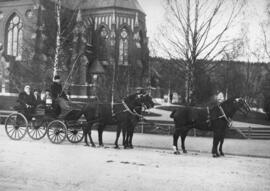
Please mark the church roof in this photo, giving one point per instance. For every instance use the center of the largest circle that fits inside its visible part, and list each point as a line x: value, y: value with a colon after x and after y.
x: 96, y: 4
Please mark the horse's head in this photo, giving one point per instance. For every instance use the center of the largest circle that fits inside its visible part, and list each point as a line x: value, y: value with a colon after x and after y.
x: 242, y: 105
x: 137, y: 101
x: 146, y: 101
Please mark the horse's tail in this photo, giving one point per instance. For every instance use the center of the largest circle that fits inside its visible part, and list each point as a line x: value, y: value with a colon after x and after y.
x: 172, y: 114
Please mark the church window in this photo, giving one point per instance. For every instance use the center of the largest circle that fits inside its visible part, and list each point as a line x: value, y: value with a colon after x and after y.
x: 14, y: 36
x: 103, y: 36
x: 123, y: 47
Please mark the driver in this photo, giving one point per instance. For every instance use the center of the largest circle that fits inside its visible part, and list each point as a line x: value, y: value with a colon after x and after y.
x: 59, y: 95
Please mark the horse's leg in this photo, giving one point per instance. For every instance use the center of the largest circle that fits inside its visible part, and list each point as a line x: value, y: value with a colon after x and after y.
x: 118, y: 131
x: 90, y: 137
x: 125, y: 134
x: 131, y: 137
x: 215, y: 145
x: 220, y: 146
x: 85, y: 132
x: 101, y: 127
x: 183, y: 138
x: 175, y: 140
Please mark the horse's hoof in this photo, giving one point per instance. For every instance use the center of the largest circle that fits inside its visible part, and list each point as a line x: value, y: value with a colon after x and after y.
x: 86, y: 145
x: 215, y: 155
x: 176, y: 152
x: 101, y: 145
x: 131, y: 147
x: 222, y: 155
x: 117, y: 147
x: 93, y: 145
x: 185, y: 151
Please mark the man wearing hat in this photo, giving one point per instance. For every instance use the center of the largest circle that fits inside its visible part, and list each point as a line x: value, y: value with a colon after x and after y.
x: 56, y: 88
x: 60, y: 100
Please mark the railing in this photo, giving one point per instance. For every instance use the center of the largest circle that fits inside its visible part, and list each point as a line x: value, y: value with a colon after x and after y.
x: 260, y: 132
x: 4, y: 114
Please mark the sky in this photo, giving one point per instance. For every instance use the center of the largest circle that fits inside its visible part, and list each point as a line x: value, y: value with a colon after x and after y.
x: 252, y: 17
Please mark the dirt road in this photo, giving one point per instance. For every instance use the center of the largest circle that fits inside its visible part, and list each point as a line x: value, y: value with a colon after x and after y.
x: 39, y: 165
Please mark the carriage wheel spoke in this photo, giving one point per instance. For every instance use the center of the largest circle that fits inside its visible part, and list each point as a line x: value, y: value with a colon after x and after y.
x: 19, y: 133
x: 58, y: 138
x: 13, y: 133
x: 11, y: 129
x: 35, y: 133
x: 39, y: 132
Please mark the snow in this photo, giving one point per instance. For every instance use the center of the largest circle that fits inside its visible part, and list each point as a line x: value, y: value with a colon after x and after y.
x: 39, y: 165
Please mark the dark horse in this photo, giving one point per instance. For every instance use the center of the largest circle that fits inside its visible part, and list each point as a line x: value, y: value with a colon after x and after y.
x: 217, y: 119
x: 125, y: 115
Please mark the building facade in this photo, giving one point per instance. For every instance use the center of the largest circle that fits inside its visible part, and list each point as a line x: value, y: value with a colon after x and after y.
x: 103, y: 50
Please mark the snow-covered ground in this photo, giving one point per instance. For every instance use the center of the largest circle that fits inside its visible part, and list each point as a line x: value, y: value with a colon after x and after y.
x: 39, y: 165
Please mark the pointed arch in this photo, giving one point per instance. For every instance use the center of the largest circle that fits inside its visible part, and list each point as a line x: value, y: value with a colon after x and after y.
x: 123, y: 46
x: 14, y: 35
x: 103, y: 34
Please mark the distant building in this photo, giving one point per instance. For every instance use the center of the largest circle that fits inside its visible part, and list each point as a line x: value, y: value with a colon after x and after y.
x: 107, y: 40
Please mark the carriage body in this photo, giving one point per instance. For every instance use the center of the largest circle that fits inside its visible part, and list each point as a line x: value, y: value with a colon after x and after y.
x: 44, y: 121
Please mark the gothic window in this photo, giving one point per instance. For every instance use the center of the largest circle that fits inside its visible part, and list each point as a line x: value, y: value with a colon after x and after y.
x: 123, y: 47
x: 103, y: 35
x: 14, y: 36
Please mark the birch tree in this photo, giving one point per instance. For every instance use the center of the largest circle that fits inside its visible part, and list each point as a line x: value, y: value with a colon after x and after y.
x: 196, y: 34
x: 266, y: 37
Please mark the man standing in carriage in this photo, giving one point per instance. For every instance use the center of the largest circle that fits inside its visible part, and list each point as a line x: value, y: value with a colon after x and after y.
x: 59, y: 98
x: 57, y: 89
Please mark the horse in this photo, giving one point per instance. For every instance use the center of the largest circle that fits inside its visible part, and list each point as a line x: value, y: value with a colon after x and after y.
x: 125, y: 115
x: 216, y: 119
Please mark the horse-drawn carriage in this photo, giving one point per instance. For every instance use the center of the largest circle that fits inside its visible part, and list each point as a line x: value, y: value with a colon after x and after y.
x: 59, y: 127
x: 43, y: 122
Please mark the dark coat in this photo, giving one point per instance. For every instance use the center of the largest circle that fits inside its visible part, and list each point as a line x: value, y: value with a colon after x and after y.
x: 38, y: 100
x: 24, y: 99
x: 56, y: 91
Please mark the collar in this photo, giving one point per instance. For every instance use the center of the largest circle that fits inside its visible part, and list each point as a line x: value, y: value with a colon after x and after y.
x: 129, y: 110
x: 229, y: 121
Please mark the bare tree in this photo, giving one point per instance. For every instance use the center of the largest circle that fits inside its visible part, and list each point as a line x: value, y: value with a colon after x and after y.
x: 195, y: 34
x: 265, y: 31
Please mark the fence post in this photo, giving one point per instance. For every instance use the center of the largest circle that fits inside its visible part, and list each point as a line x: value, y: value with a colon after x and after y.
x: 194, y: 132
x: 142, y: 127
x: 249, y: 132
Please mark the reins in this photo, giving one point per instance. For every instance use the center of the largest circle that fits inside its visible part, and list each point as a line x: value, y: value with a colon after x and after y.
x: 129, y: 110
x: 229, y: 121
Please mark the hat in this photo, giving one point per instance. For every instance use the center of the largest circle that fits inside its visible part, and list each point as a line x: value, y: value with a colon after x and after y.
x: 57, y: 77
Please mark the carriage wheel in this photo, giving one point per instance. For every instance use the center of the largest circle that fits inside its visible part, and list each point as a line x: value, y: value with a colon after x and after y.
x: 37, y: 129
x: 57, y: 131
x: 75, y: 135
x: 16, y: 126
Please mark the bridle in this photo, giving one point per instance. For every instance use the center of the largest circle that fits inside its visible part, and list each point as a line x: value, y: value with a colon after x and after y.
x: 244, y: 104
x: 228, y: 119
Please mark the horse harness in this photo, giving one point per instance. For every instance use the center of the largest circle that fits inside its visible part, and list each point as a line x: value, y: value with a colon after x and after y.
x: 229, y: 121
x: 209, y: 120
x: 127, y: 109
x: 223, y: 115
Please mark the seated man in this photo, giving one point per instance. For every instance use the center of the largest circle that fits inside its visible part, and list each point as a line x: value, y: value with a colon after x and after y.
x: 26, y: 102
x: 37, y: 97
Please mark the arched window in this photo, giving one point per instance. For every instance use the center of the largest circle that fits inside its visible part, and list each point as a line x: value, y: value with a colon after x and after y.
x: 14, y: 36
x: 123, y: 47
x: 103, y: 36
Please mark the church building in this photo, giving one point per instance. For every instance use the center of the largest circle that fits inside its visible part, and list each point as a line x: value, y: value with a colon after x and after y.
x: 103, y: 46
